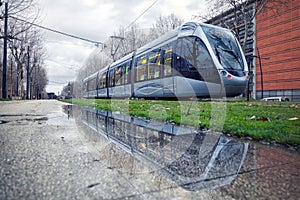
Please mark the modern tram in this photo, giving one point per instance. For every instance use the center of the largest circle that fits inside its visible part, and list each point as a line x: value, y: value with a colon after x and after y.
x: 195, y: 60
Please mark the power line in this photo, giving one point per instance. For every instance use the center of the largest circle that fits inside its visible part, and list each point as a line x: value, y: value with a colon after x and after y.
x: 64, y: 65
x: 55, y: 82
x: 58, y: 32
x: 66, y: 43
x: 141, y: 14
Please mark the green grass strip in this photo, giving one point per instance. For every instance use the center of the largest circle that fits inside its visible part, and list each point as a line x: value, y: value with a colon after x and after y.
x: 268, y: 121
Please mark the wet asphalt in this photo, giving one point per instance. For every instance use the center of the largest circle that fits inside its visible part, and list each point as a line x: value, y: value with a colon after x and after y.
x: 46, y: 154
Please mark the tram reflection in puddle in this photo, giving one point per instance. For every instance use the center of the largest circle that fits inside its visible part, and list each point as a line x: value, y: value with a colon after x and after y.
x: 191, y: 159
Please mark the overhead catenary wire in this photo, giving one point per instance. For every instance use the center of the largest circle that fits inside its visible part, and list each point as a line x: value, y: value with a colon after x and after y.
x: 78, y: 37
x: 58, y: 32
x: 65, y: 43
x: 55, y: 82
x: 133, y: 22
x: 64, y: 65
x: 149, y: 7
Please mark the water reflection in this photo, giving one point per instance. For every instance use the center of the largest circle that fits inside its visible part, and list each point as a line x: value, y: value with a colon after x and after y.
x: 192, y: 160
x: 157, y: 161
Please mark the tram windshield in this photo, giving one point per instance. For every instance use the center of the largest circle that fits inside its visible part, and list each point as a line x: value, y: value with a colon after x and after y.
x: 226, y: 49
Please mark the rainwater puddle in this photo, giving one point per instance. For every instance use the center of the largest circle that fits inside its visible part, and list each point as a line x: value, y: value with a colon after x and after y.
x: 61, y: 118
x: 21, y: 118
x: 196, y: 161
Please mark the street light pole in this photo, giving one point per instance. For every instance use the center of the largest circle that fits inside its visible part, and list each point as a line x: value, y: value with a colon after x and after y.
x: 261, y: 74
x: 28, y: 74
x: 260, y: 68
x: 4, y: 93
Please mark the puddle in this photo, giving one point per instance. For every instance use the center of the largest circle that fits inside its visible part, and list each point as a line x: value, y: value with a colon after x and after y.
x: 3, y: 121
x: 61, y: 117
x: 21, y: 118
x: 194, y: 160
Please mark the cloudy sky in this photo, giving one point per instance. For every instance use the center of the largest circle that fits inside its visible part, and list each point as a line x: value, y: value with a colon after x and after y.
x: 96, y: 20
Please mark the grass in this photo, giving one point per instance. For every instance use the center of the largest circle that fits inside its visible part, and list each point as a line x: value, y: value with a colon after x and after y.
x: 268, y: 121
x: 7, y: 99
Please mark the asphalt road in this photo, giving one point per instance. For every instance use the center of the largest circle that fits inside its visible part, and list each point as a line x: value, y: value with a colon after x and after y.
x: 44, y: 154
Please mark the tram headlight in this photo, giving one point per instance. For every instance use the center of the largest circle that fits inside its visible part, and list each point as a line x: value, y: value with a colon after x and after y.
x: 247, y: 77
x: 223, y: 73
x: 226, y: 74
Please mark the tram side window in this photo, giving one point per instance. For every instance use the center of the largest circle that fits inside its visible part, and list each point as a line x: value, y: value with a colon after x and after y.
x: 168, y: 61
x: 112, y: 78
x: 102, y: 81
x: 179, y: 62
x: 87, y: 85
x: 126, y: 73
x: 141, y: 68
x: 154, y: 64
x: 92, y: 84
x: 84, y: 86
x: 118, y: 76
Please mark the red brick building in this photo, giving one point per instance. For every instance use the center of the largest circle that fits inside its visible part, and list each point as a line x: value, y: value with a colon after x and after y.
x: 278, y: 40
x: 273, y: 45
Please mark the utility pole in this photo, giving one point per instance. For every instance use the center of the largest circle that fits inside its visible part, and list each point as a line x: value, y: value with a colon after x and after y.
x: 27, y: 74
x: 4, y: 93
x: 261, y: 71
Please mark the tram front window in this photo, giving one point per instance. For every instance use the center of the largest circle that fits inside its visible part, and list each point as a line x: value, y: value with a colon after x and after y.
x: 226, y: 49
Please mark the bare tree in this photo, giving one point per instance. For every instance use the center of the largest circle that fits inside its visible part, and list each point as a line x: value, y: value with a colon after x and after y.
x: 28, y: 45
x: 68, y: 90
x: 243, y: 12
x: 18, y: 12
x: 95, y: 62
x: 165, y: 24
x: 37, y: 73
x: 125, y: 41
x: 25, y: 44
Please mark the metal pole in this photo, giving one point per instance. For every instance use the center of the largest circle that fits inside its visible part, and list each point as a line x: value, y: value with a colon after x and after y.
x: 4, y: 92
x: 261, y: 74
x: 27, y: 74
x: 17, y: 81
x: 11, y: 79
x: 248, y: 90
